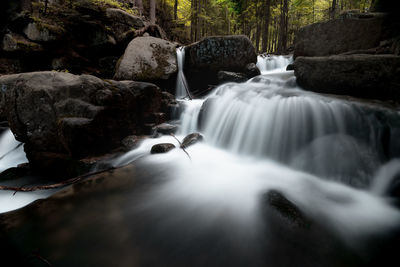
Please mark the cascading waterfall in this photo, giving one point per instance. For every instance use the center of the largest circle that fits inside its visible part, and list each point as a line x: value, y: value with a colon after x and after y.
x: 267, y: 63
x: 320, y: 151
x: 11, y: 155
x: 11, y: 151
x: 181, y: 83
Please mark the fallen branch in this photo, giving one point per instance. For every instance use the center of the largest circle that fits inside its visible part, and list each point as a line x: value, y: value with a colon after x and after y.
x: 181, y: 146
x: 52, y: 186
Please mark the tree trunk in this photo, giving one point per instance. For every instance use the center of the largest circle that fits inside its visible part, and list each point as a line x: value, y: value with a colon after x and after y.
x: 176, y: 10
x: 333, y: 9
x: 267, y: 8
x: 139, y: 4
x: 152, y: 11
x: 258, y: 29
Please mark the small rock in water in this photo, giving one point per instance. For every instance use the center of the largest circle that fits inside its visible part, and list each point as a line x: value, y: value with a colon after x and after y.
x: 162, y: 148
x: 290, y: 67
x: 165, y: 128
x: 191, y: 139
x: 287, y: 209
x: 227, y: 76
x: 130, y: 142
x: 252, y: 70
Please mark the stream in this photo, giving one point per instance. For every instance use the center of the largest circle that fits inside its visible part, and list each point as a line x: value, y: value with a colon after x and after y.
x: 323, y: 153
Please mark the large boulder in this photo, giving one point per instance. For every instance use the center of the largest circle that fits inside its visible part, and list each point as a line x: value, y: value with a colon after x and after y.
x: 347, y: 33
x: 122, y: 22
x: 204, y: 59
x: 365, y: 76
x: 63, y: 117
x: 229, y: 53
x: 147, y: 59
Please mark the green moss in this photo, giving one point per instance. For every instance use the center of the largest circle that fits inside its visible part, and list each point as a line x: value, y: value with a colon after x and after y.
x: 42, y: 24
x: 113, y: 4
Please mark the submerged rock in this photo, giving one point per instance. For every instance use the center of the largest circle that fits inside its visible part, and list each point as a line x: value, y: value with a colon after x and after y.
x: 365, y: 76
x: 162, y: 148
x: 147, y: 59
x: 191, y: 139
x: 287, y: 209
x: 63, y: 117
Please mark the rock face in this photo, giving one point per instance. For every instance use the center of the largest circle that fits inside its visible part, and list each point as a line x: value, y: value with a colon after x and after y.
x: 340, y: 35
x: 365, y: 76
x: 230, y: 53
x: 147, y: 58
x: 204, y: 59
x: 84, y: 37
x: 191, y: 139
x: 122, y: 22
x: 63, y: 117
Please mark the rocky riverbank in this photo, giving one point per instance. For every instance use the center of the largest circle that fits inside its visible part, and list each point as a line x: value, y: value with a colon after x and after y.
x: 357, y: 54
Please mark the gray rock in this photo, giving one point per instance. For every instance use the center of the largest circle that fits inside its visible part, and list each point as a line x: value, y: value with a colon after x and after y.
x: 14, y: 42
x: 252, y: 70
x: 228, y: 76
x: 130, y: 142
x: 339, y: 35
x: 122, y: 22
x: 191, y: 139
x: 229, y: 53
x: 70, y: 117
x: 39, y: 33
x: 162, y: 148
x: 287, y: 209
x: 365, y: 76
x: 147, y: 59
x: 165, y: 128
x: 290, y: 67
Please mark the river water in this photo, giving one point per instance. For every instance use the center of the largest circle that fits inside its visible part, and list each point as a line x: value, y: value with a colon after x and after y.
x: 323, y: 153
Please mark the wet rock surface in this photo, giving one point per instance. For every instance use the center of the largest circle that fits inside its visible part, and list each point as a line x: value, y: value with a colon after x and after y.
x: 162, y: 148
x: 191, y: 139
x: 364, y: 76
x: 204, y: 59
x: 63, y: 117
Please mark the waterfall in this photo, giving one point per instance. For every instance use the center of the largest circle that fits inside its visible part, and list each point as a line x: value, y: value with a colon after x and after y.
x: 11, y: 155
x: 270, y: 117
x: 321, y: 151
x: 181, y: 84
x: 11, y: 151
x: 267, y: 63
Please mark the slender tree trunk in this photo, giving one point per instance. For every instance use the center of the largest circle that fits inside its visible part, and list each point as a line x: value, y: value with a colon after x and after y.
x: 139, y: 4
x: 267, y: 8
x: 176, y: 10
x: 198, y: 22
x: 193, y: 25
x: 152, y: 11
x: 333, y: 9
x: 258, y: 29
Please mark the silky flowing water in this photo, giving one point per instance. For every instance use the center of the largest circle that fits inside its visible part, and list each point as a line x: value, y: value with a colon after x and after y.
x: 322, y: 152
x: 210, y: 207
